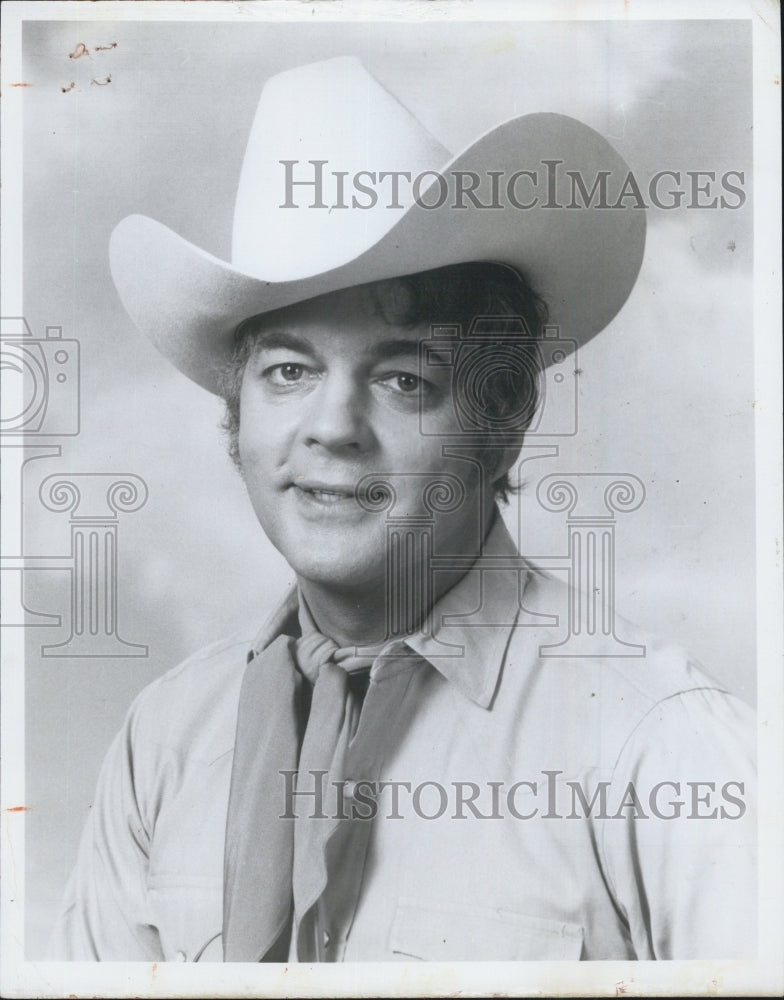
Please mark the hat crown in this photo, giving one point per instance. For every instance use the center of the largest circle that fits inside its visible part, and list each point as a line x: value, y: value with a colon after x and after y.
x: 316, y: 128
x: 584, y: 263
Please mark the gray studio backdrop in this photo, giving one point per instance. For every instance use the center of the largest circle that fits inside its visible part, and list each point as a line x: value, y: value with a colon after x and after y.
x: 153, y: 118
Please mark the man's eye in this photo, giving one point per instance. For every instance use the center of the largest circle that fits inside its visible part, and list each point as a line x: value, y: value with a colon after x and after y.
x: 405, y: 383
x: 285, y: 374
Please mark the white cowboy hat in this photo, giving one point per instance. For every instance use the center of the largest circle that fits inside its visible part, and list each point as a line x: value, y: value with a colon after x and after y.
x: 583, y: 260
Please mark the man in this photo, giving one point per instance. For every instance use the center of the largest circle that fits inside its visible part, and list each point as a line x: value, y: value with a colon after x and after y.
x: 394, y: 767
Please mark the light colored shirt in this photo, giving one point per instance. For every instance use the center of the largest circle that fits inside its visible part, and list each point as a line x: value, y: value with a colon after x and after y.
x: 527, y: 806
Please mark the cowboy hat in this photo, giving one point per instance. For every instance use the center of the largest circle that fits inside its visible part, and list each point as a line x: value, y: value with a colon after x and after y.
x: 341, y: 186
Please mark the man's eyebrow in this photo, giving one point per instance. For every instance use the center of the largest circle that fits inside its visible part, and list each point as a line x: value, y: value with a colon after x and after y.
x: 274, y: 339
x: 395, y: 349
x: 412, y: 349
x: 280, y: 339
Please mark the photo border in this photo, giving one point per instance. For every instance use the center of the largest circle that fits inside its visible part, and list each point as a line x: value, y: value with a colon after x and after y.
x: 765, y: 976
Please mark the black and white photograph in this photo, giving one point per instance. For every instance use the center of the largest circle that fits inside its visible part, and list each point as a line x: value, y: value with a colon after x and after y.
x: 391, y: 564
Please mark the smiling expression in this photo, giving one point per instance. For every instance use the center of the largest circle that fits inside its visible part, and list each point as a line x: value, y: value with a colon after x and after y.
x: 331, y: 394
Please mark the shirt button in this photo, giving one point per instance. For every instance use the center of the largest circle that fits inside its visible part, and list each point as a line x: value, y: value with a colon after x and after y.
x: 326, y: 939
x: 180, y: 956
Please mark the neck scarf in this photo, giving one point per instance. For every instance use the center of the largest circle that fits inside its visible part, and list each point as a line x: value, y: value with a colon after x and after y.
x: 273, y: 865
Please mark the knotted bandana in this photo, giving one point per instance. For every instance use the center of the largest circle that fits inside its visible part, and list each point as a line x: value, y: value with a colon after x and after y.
x: 273, y: 863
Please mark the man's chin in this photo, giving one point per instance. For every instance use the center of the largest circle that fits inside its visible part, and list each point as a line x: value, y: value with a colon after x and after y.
x: 340, y: 572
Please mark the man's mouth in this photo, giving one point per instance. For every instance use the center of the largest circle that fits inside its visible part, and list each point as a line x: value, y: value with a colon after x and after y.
x: 324, y: 494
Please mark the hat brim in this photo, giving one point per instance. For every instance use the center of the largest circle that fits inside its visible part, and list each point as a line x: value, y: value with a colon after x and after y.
x: 583, y: 261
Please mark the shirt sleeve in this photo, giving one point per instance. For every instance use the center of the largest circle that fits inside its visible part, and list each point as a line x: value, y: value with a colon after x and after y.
x: 679, y: 844
x: 102, y: 917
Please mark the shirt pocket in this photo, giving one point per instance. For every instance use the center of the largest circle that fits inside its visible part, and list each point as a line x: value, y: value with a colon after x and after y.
x: 454, y: 933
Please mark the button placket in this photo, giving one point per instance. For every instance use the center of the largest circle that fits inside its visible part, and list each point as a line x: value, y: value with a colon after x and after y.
x: 362, y: 765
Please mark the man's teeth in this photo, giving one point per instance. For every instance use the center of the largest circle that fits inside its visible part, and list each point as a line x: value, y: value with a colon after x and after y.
x: 330, y: 496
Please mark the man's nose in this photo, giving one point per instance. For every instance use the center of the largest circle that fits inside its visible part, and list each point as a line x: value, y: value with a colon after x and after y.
x: 338, y: 416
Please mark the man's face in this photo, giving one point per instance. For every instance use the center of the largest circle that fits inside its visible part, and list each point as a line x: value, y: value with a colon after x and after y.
x: 331, y: 395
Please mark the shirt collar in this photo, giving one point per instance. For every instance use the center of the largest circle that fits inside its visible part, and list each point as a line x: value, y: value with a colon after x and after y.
x: 469, y: 628
x: 467, y: 632
x: 284, y: 620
